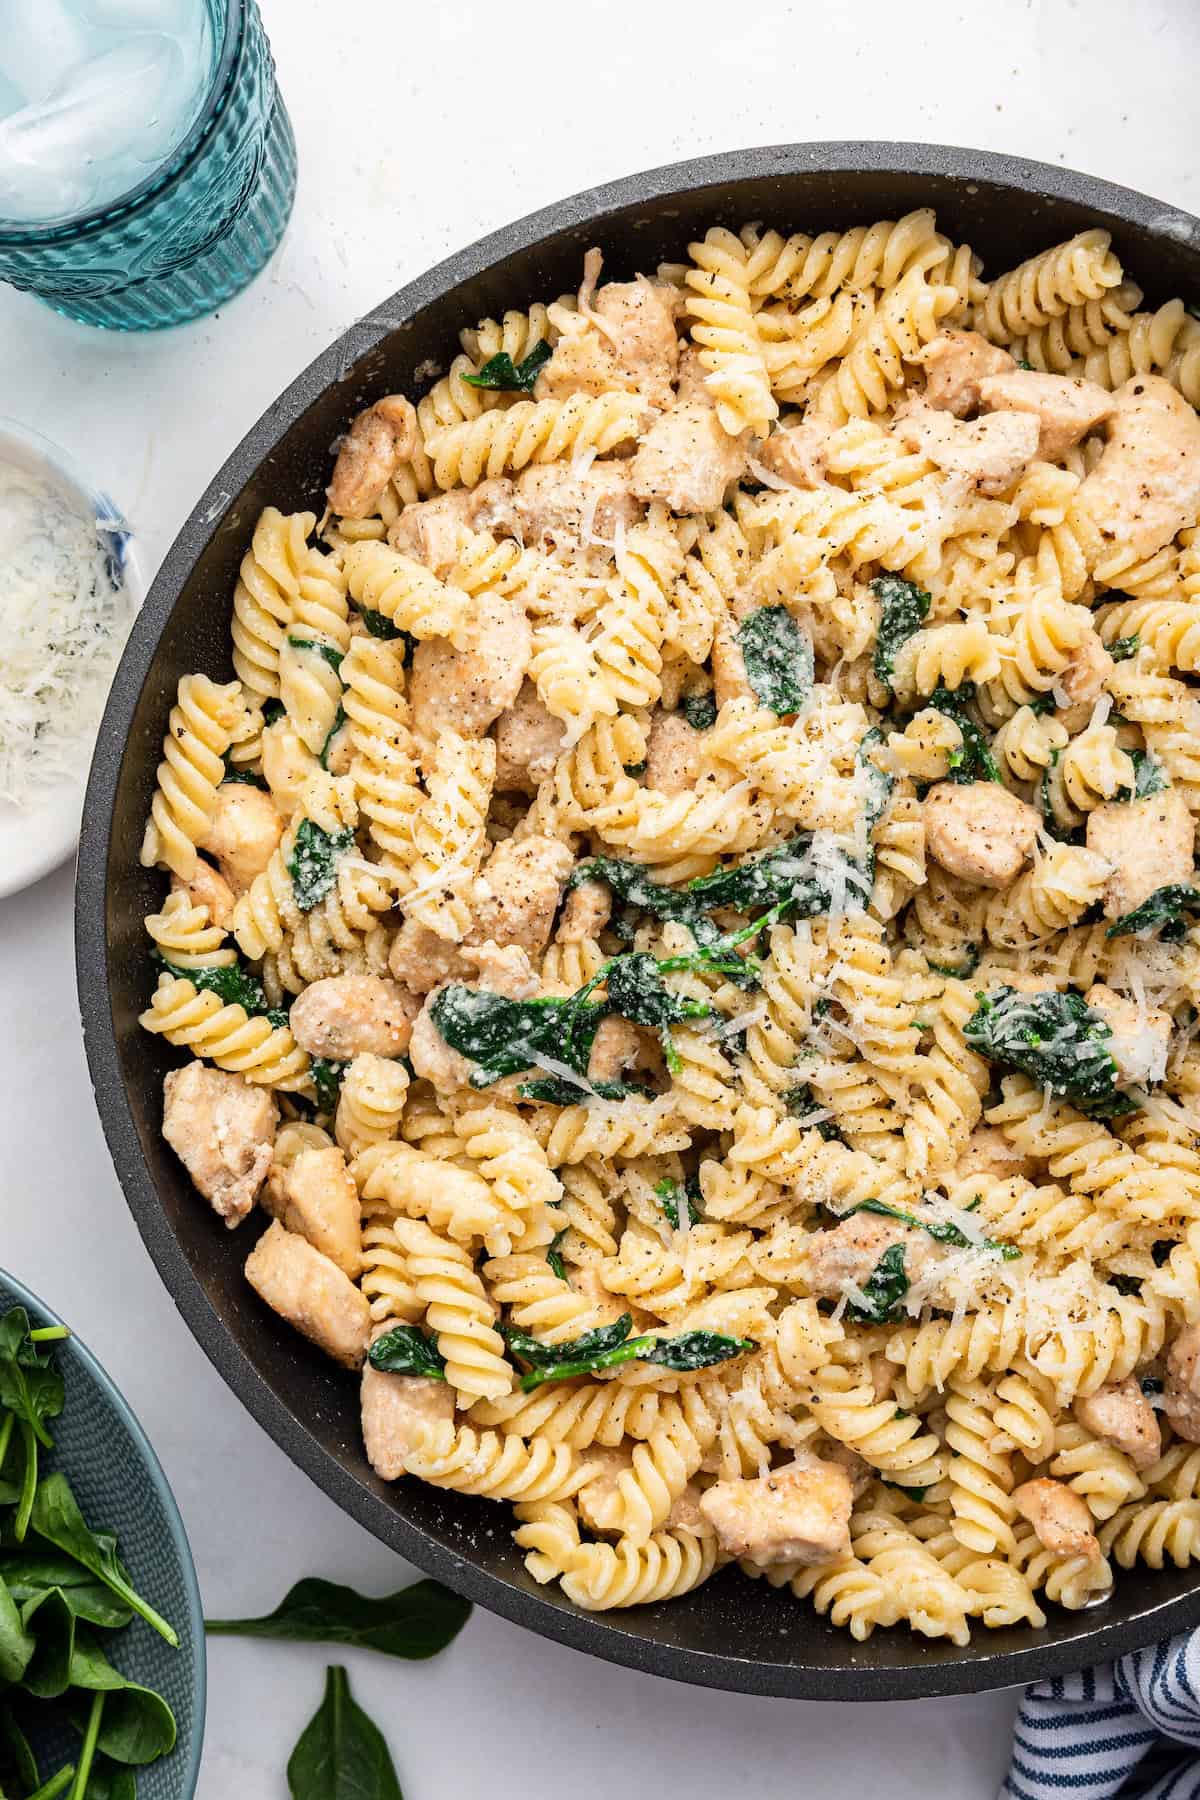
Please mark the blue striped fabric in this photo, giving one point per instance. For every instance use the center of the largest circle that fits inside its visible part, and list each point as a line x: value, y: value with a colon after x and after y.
x: 1130, y: 1728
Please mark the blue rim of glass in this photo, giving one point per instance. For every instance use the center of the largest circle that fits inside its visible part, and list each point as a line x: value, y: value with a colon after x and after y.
x: 75, y: 1346
x: 185, y: 153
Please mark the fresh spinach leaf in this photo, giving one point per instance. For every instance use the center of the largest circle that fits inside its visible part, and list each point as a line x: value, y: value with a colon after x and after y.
x: 884, y: 1290
x: 341, y: 1754
x: 500, y: 372
x: 778, y: 657
x: 405, y: 1350
x: 18, y: 1750
x: 31, y: 1390
x: 53, y: 1624
x: 312, y: 864
x: 16, y: 1644
x: 1054, y: 1039
x: 56, y: 1518
x: 902, y: 609
x: 138, y: 1726
x: 1165, y: 907
x: 414, y: 1623
x: 699, y: 709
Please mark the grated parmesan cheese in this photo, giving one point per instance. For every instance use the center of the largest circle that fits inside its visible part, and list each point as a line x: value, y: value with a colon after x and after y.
x: 64, y: 614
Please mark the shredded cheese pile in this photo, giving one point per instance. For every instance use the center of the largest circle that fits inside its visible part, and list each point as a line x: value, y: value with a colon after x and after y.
x: 64, y: 612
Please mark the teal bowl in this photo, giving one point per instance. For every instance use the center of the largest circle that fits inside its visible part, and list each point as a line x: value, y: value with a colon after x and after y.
x: 120, y: 1486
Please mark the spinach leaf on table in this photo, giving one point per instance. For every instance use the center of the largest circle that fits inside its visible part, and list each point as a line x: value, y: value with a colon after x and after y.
x: 778, y: 657
x: 902, y: 609
x: 414, y: 1623
x: 341, y: 1754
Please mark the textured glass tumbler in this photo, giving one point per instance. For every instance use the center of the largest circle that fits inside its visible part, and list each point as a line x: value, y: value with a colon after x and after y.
x: 201, y: 227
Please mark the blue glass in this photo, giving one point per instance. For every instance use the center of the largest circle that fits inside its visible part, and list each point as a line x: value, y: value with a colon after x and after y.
x: 200, y: 228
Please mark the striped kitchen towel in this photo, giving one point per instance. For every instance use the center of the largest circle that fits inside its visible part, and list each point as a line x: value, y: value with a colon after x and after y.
x: 1130, y: 1728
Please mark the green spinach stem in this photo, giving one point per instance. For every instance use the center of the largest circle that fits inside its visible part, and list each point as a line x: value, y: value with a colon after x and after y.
x: 88, y: 1753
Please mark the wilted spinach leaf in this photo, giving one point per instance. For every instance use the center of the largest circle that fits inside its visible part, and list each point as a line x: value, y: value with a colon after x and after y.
x: 902, y: 609
x: 406, y: 1350
x: 500, y: 372
x: 312, y: 864
x: 884, y: 1290
x: 1054, y: 1039
x: 699, y: 709
x: 779, y: 658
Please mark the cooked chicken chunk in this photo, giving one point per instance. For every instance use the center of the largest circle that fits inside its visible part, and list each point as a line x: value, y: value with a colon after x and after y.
x: 616, y: 1045
x: 850, y: 1252
x: 672, y: 754
x: 465, y: 689
x: 431, y: 531
x: 567, y: 508
x: 989, y: 1152
x: 516, y: 895
x: 208, y: 887
x: 1181, y: 1385
x: 221, y: 1129
x: 586, y: 912
x: 799, y: 1513
x: 315, y: 1196
x: 956, y: 362
x: 287, y: 764
x: 310, y: 1292
x: 378, y: 441
x: 1066, y: 407
x: 688, y: 459
x: 502, y: 969
x: 1060, y: 1518
x: 529, y: 741
x: 1082, y: 681
x: 1140, y: 1034
x: 1149, y: 844
x: 979, y: 830
x: 991, y: 452
x: 346, y: 1014
x: 635, y: 346
x: 244, y: 833
x: 1146, y: 486
x: 399, y: 1415
x: 587, y: 1281
x: 1122, y: 1415
x: 685, y: 1514
x: 431, y: 1056
x: 729, y: 668
x: 798, y: 453
x: 421, y: 960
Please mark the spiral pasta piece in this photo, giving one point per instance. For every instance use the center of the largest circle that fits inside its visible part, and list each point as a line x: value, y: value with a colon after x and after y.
x: 1045, y: 286
x: 197, y: 1020
x: 723, y: 326
x: 199, y: 732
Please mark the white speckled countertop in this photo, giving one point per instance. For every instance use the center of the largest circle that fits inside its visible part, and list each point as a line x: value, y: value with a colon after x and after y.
x: 419, y: 129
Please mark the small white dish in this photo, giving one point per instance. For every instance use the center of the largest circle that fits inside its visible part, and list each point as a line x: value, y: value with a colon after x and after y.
x: 36, y: 839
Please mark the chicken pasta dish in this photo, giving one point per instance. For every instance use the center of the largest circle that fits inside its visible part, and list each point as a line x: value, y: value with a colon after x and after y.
x: 684, y: 917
